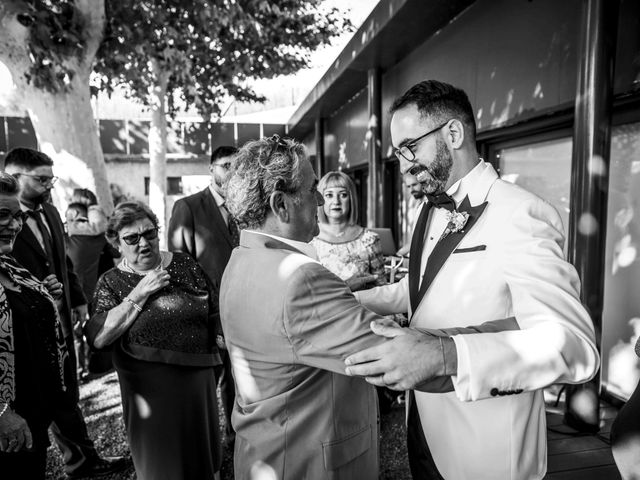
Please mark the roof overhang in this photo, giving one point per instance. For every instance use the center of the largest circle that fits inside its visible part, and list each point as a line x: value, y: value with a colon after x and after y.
x: 392, y: 31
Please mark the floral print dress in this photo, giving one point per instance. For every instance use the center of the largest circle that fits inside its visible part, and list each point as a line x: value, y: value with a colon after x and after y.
x: 358, y: 257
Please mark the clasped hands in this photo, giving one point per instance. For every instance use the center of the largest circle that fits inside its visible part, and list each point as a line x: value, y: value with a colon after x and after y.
x: 410, y: 359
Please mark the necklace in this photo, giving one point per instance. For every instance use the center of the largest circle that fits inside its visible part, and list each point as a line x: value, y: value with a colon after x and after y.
x: 125, y: 266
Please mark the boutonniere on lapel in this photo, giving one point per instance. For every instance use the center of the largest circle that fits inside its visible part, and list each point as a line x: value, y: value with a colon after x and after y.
x: 455, y: 223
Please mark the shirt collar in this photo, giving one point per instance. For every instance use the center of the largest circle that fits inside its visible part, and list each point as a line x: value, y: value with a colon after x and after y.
x: 216, y: 196
x: 306, y: 248
x: 466, y: 184
x: 24, y: 208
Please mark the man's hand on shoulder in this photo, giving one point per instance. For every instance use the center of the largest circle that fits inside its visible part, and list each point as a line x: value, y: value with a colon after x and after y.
x: 408, y: 360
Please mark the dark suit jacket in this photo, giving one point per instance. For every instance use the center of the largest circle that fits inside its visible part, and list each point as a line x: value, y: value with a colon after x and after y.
x: 198, y: 228
x: 28, y: 252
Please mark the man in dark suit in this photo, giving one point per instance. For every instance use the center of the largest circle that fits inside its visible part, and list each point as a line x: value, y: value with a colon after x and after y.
x: 40, y: 249
x: 201, y: 226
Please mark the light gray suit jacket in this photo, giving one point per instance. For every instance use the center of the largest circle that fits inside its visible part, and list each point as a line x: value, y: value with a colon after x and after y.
x: 289, y: 323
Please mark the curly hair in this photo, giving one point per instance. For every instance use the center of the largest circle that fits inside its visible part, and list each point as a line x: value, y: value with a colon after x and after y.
x: 262, y: 167
x: 125, y: 214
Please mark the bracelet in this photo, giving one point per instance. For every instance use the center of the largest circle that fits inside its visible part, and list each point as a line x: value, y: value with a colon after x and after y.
x: 133, y: 304
x: 444, y: 358
x: 4, y: 409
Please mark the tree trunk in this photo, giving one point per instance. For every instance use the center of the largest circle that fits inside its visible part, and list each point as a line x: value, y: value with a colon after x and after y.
x: 158, y: 152
x: 67, y: 132
x: 63, y: 121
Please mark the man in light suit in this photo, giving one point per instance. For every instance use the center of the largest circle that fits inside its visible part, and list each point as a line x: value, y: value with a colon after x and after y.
x: 40, y: 248
x: 488, y: 253
x: 201, y: 226
x: 288, y: 324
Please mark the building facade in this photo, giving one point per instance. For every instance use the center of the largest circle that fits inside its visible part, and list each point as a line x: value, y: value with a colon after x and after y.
x: 548, y: 80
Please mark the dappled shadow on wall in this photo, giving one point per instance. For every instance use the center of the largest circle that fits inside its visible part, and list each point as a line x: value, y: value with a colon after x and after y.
x: 621, y: 315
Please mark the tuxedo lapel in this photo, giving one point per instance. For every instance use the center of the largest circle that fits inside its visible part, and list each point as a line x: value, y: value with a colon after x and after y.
x: 415, y: 254
x: 29, y: 239
x: 444, y: 248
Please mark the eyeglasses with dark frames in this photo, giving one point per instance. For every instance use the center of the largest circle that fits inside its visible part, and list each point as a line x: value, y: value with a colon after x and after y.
x: 134, y: 238
x: 406, y: 151
x: 43, y: 179
x: 6, y: 217
x: 223, y: 165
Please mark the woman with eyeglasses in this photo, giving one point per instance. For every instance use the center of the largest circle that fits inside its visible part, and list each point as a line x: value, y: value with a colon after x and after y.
x: 159, y: 311
x: 32, y: 350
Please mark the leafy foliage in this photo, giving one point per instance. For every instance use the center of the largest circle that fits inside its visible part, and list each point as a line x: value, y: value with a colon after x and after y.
x: 206, y: 49
x: 56, y: 32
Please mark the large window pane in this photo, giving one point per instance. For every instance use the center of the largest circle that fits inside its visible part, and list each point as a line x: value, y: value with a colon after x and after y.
x: 543, y: 168
x: 621, y: 315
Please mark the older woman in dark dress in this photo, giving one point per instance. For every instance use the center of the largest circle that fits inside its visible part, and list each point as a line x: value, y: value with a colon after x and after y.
x: 32, y: 351
x: 160, y: 312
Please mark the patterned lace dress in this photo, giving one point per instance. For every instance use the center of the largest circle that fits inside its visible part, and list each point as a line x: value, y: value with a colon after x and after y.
x: 358, y: 257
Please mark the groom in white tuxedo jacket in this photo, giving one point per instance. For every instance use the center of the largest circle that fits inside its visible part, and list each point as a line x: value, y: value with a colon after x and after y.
x: 487, y: 253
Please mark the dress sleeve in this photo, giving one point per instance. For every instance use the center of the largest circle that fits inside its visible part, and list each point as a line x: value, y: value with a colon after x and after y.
x: 104, y: 299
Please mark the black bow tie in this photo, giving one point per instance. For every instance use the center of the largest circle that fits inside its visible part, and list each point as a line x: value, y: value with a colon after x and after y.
x: 442, y: 200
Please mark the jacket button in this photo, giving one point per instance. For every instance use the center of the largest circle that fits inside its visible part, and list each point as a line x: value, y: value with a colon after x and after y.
x: 494, y: 392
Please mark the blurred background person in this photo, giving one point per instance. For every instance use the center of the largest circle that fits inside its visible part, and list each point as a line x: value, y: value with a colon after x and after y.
x: 117, y: 195
x: 41, y: 248
x: 91, y: 255
x: 32, y: 351
x: 159, y: 310
x: 96, y: 218
x: 413, y: 209
x: 348, y: 250
x: 201, y: 226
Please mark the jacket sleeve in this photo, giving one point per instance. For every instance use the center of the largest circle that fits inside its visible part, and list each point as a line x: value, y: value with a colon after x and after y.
x: 555, y: 341
x: 386, y: 299
x: 181, y: 229
x: 323, y: 320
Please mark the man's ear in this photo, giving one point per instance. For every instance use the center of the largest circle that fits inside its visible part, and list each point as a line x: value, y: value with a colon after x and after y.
x: 279, y: 207
x: 455, y: 134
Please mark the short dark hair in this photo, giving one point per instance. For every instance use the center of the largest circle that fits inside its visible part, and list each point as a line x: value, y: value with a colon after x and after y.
x: 125, y: 214
x: 27, y: 158
x: 440, y: 101
x: 85, y: 196
x: 221, y: 152
x: 8, y: 184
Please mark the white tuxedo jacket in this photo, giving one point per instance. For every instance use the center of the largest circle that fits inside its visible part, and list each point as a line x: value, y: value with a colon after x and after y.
x: 508, y: 263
